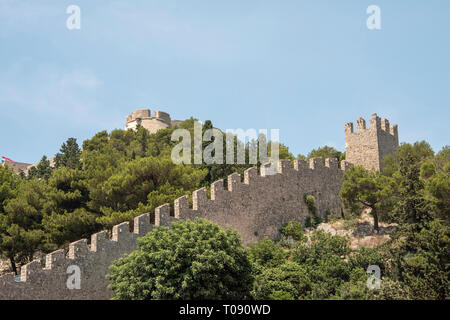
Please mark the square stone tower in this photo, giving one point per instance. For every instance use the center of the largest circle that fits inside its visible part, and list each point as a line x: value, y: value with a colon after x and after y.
x: 368, y: 146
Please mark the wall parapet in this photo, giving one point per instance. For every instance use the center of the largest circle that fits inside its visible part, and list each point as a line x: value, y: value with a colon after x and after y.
x: 143, y: 117
x: 376, y: 124
x: 256, y: 207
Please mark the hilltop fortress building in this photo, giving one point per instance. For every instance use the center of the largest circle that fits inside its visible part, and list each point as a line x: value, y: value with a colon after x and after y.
x: 142, y: 117
x: 257, y: 206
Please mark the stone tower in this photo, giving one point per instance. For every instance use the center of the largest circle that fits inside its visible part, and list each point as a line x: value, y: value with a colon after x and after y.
x: 368, y: 146
x: 143, y: 117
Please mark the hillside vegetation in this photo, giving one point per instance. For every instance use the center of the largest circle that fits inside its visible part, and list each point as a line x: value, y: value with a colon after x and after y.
x: 119, y: 175
x: 113, y: 178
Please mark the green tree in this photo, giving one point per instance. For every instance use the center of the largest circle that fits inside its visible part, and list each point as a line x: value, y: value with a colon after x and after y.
x: 190, y: 260
x: 283, y: 151
x: 437, y: 188
x: 69, y: 155
x: 68, y: 189
x: 442, y: 158
x: 21, y: 231
x: 8, y: 185
x: 43, y: 170
x: 68, y: 196
x: 322, y: 245
x: 266, y: 253
x: 411, y: 208
x: 61, y: 229
x: 368, y: 188
x: 365, y: 257
x: 406, y: 152
x: 326, y: 152
x: 314, y: 269
x: 288, y: 281
x: 420, y: 259
x: 294, y: 230
x: 132, y: 190
x: 142, y: 135
x: 19, y: 245
x: 325, y: 260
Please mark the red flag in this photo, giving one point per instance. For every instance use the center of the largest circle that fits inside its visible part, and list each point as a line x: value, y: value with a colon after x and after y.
x: 7, y: 159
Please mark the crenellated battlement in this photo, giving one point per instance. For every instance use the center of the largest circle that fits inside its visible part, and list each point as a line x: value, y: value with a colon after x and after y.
x: 256, y: 207
x: 227, y: 206
x: 143, y: 117
x: 375, y: 124
x: 256, y: 204
x: 361, y: 124
x: 368, y: 146
x: 146, y: 114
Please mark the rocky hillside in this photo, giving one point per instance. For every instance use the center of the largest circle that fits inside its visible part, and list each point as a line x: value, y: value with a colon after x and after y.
x: 359, y: 231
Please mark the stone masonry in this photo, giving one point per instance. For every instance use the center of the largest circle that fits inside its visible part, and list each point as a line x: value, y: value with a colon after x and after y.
x: 161, y: 120
x: 257, y: 207
x: 368, y: 146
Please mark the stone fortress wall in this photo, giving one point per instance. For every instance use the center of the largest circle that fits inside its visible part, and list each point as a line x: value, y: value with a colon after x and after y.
x: 257, y: 206
x: 25, y: 167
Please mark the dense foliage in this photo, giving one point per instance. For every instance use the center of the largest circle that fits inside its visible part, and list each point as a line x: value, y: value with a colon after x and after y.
x: 190, y: 260
x: 370, y: 189
x: 119, y: 175
x: 324, y: 152
x: 414, y: 263
x: 113, y: 178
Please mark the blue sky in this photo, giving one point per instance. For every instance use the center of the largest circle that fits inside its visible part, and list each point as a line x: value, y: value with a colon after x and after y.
x: 304, y: 67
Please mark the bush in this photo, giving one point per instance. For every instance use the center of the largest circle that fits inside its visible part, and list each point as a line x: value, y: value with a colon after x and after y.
x: 323, y: 245
x: 190, y: 260
x: 294, y: 230
x: 312, y: 221
x: 365, y: 257
x: 286, y: 282
x: 422, y: 262
x: 266, y: 253
x: 332, y: 216
x: 310, y: 203
x: 351, y: 223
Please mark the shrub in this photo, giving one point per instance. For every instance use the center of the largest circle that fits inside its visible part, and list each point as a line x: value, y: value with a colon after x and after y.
x: 190, y: 260
x: 266, y: 253
x: 288, y: 281
x: 312, y: 221
x: 310, y: 203
x: 332, y: 216
x: 294, y: 230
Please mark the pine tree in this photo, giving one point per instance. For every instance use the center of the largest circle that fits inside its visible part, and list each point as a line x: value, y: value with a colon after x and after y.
x: 43, y: 170
x: 367, y: 188
x: 69, y: 155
